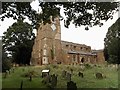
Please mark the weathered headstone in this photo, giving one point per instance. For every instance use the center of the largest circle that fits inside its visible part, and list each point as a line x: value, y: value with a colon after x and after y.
x: 68, y: 77
x: 71, y: 86
x: 64, y: 73
x: 71, y: 70
x: 54, y: 81
x: 45, y: 73
x: 5, y: 75
x: 48, y: 79
x: 80, y: 74
x: 99, y: 76
x: 30, y: 76
x: 7, y: 71
x: 13, y: 70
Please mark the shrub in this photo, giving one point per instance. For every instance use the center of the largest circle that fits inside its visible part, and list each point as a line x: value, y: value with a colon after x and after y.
x: 6, y: 65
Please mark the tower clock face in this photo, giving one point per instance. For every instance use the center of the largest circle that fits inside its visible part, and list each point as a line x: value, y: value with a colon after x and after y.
x: 53, y: 27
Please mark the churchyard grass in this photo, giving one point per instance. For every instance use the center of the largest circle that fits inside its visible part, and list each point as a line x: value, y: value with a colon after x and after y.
x: 110, y: 77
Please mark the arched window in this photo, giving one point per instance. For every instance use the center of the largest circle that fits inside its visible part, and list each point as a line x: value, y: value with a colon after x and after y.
x: 82, y: 60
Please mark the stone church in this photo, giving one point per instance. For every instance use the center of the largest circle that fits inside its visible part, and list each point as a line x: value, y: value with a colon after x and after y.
x: 48, y: 48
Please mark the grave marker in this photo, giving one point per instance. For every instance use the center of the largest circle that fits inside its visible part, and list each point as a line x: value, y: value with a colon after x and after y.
x: 99, y: 76
x: 54, y: 81
x: 68, y: 77
x: 80, y: 74
x: 64, y: 73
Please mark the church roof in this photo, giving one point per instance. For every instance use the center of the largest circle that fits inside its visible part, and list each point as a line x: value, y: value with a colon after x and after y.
x: 81, y: 53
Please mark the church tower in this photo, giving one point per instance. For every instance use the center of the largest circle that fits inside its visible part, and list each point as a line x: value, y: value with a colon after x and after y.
x: 57, y: 41
x: 47, y: 45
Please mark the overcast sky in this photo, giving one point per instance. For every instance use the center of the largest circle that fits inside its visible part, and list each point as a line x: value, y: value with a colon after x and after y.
x: 94, y: 37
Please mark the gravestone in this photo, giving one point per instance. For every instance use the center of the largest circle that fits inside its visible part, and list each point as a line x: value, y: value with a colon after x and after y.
x: 48, y: 79
x: 54, y: 81
x: 64, y: 73
x: 30, y: 76
x: 82, y: 67
x: 71, y: 86
x: 13, y: 70
x: 80, y: 74
x: 5, y: 75
x: 7, y: 71
x: 99, y: 76
x: 68, y: 77
x: 71, y: 70
x: 45, y: 73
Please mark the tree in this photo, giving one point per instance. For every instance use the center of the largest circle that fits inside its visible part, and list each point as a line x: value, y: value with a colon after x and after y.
x: 112, y: 43
x: 18, y: 42
x: 79, y: 13
x: 6, y: 63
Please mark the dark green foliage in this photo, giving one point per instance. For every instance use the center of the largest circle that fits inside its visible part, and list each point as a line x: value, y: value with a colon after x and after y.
x: 71, y: 86
x: 18, y: 40
x: 112, y: 44
x: 76, y: 12
x: 6, y: 65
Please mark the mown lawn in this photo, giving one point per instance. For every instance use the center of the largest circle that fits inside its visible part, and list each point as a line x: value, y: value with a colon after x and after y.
x: 13, y: 80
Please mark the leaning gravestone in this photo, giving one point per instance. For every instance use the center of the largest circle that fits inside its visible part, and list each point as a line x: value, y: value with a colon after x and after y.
x: 71, y: 86
x: 68, y: 77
